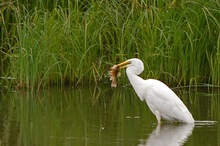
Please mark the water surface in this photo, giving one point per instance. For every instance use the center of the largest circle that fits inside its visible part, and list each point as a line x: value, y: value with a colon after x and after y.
x: 103, y: 116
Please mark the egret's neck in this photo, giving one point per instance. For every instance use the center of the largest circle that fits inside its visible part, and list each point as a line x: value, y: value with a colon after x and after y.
x: 137, y: 83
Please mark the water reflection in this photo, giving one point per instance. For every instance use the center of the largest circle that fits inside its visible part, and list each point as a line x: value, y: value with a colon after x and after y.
x: 169, y: 135
x: 101, y: 116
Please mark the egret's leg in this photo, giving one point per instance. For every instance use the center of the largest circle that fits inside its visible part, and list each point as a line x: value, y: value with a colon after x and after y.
x: 158, y: 129
x: 157, y: 114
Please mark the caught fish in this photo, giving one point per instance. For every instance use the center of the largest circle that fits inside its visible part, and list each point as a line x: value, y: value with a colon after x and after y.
x: 114, y: 72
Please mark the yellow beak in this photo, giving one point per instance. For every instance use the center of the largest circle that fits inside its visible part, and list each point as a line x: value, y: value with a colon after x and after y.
x: 124, y: 64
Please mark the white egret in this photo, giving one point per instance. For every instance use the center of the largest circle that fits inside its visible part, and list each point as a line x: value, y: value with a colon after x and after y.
x: 162, y: 101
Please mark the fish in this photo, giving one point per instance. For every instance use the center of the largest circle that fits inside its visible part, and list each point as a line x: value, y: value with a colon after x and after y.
x: 114, y: 73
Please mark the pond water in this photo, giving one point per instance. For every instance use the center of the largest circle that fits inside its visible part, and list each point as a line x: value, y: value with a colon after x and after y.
x: 103, y: 116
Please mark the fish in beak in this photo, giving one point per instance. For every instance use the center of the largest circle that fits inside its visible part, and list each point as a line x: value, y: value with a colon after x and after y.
x: 114, y: 71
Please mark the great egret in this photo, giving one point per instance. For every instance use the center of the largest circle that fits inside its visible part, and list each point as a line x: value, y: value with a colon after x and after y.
x: 162, y: 101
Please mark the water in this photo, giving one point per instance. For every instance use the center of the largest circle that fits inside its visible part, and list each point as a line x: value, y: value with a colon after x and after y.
x: 103, y: 116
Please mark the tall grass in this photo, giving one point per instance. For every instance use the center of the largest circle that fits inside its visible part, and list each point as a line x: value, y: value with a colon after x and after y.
x: 76, y: 42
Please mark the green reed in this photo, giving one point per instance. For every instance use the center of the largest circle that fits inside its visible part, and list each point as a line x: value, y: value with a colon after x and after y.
x: 76, y: 42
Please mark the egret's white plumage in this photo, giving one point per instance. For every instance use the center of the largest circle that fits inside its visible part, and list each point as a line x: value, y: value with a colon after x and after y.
x: 162, y: 101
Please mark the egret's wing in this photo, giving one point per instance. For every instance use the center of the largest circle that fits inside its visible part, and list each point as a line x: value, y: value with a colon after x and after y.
x: 162, y: 98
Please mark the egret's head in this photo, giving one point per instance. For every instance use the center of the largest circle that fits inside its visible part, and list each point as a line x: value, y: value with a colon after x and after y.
x: 133, y: 65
